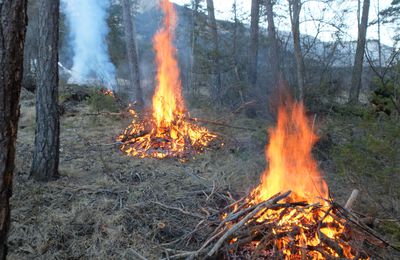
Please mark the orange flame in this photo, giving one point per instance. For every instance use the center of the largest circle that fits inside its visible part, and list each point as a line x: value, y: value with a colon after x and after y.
x: 167, y: 132
x: 291, y: 165
x: 167, y: 100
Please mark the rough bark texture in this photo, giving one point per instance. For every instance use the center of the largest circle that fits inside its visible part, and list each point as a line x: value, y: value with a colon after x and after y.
x: 12, y: 35
x: 254, y: 36
x: 215, y: 39
x: 359, y: 58
x: 274, y: 50
x: 131, y: 49
x: 47, y: 136
x: 295, y: 9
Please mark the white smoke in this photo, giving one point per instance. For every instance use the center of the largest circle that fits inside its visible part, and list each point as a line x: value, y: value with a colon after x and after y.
x: 87, y: 22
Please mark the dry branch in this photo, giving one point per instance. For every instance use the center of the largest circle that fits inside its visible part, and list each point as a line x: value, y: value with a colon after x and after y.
x: 237, y: 232
x: 231, y: 231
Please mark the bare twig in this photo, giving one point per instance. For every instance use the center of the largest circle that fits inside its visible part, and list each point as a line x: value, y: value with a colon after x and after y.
x: 231, y: 231
x: 179, y: 209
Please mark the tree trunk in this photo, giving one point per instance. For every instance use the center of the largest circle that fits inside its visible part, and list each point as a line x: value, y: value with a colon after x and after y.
x: 131, y: 49
x: 215, y: 39
x: 274, y: 50
x: 254, y: 36
x: 193, y: 43
x: 359, y: 58
x: 295, y: 9
x: 12, y: 35
x: 235, y: 34
x: 47, y: 137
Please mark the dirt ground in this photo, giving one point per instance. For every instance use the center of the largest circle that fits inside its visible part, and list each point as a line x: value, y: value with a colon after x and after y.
x: 107, y: 205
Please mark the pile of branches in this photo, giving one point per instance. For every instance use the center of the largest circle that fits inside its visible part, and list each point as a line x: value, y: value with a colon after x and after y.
x: 141, y: 139
x: 241, y: 235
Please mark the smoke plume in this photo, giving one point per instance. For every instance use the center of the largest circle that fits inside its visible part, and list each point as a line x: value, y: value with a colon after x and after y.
x: 87, y: 22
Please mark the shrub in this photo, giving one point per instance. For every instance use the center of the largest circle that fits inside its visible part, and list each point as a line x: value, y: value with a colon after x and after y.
x: 98, y: 101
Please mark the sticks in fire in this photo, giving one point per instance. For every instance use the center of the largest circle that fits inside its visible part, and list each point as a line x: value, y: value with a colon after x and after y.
x: 278, y: 227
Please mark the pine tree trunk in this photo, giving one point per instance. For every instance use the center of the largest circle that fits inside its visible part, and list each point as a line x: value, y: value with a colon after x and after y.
x: 274, y: 51
x: 215, y: 39
x: 12, y: 35
x: 359, y: 58
x: 47, y: 136
x: 131, y: 49
x: 295, y: 9
x: 254, y: 36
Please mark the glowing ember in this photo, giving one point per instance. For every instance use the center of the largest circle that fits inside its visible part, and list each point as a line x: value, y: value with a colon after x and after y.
x: 107, y: 92
x: 304, y: 226
x: 168, y: 131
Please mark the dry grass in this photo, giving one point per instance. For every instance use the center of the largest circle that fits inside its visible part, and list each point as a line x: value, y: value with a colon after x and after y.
x: 109, y: 206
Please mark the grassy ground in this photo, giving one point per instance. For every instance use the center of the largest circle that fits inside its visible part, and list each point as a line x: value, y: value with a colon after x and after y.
x: 110, y: 206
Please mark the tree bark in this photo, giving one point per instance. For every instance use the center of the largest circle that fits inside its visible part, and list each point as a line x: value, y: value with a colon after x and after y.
x: 12, y: 35
x: 254, y: 37
x: 295, y: 9
x: 215, y: 39
x: 131, y: 49
x: 274, y: 50
x: 359, y: 57
x: 47, y: 137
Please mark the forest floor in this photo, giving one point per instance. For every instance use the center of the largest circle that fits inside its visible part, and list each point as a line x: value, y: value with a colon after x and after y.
x: 107, y: 205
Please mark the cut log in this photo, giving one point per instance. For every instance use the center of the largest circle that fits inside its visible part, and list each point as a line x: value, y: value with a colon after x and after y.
x: 353, y: 197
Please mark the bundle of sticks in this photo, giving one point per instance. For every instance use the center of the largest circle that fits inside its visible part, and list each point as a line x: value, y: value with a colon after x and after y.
x: 179, y: 139
x: 278, y: 228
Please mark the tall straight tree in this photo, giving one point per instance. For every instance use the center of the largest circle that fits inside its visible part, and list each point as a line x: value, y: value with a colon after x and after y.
x: 193, y: 43
x: 12, y: 36
x: 215, y: 39
x: 360, y: 51
x: 131, y: 49
x: 47, y: 137
x: 254, y: 36
x: 294, y: 10
x: 274, y: 50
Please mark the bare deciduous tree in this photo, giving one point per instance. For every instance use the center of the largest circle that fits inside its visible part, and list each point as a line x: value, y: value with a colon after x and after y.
x: 215, y: 39
x: 274, y: 50
x: 131, y: 49
x: 294, y: 11
x: 254, y: 37
x: 12, y: 35
x: 47, y: 135
x: 359, y: 57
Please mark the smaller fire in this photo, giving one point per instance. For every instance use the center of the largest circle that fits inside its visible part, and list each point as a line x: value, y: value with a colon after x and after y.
x: 107, y: 92
x: 168, y: 131
x: 180, y: 138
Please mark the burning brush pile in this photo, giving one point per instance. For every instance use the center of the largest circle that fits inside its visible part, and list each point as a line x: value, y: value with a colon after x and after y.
x: 289, y: 215
x: 168, y: 131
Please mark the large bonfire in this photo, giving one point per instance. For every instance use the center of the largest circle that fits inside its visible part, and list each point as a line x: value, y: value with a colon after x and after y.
x: 168, y: 132
x: 292, y: 168
x: 289, y: 215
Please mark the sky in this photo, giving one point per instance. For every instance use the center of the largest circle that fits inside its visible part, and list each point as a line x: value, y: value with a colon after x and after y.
x: 313, y: 10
